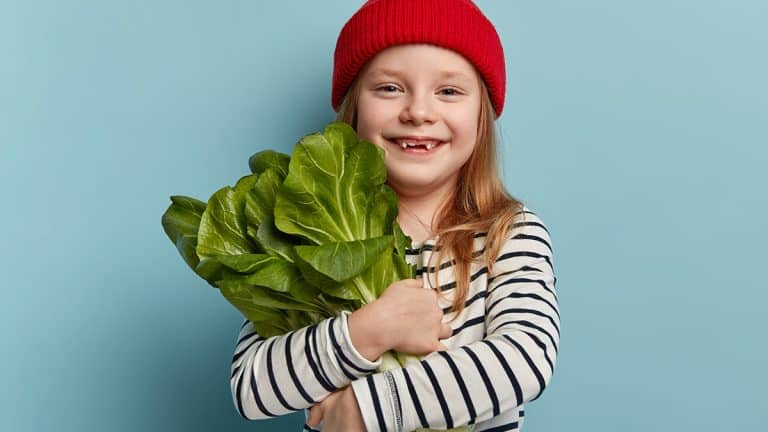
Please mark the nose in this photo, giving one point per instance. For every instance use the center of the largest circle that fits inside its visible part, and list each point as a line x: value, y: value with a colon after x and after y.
x: 419, y: 109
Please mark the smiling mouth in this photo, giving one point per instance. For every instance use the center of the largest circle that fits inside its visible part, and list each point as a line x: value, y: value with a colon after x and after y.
x: 416, y: 147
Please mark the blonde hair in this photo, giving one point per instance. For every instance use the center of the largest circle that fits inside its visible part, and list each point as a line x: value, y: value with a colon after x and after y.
x: 480, y: 203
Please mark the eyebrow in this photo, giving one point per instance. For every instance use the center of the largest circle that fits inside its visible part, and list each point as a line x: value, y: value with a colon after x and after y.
x: 443, y: 74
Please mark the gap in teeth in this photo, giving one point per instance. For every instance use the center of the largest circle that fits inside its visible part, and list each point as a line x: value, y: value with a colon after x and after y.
x: 405, y: 144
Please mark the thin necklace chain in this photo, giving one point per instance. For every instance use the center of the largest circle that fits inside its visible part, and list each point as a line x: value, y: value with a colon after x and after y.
x: 426, y: 226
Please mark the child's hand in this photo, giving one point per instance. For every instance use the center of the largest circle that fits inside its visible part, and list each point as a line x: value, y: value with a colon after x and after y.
x: 339, y: 412
x: 411, y: 318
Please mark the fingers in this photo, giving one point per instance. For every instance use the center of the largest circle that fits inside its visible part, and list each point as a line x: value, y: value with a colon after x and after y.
x: 315, y: 415
x: 446, y: 331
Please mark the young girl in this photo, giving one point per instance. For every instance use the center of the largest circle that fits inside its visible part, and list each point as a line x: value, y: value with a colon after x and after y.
x: 425, y: 80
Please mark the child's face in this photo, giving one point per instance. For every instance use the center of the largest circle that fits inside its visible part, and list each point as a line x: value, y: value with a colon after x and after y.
x: 418, y: 101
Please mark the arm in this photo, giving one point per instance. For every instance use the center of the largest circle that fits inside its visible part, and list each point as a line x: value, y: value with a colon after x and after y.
x: 290, y: 372
x: 510, y: 366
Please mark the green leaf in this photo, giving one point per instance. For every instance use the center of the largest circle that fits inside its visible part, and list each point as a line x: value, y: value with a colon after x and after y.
x: 246, y: 263
x: 195, y: 206
x: 261, y: 313
x: 240, y: 292
x: 341, y: 261
x: 347, y: 290
x: 382, y: 211
x: 275, y: 242
x: 265, y: 159
x: 403, y: 270
x: 331, y: 184
x: 181, y: 222
x: 222, y: 226
x: 278, y: 275
x: 246, y: 183
x: 213, y: 270
x: 375, y: 279
x: 210, y: 269
x: 269, y: 329
x: 267, y: 320
x: 402, y: 241
x: 336, y: 291
x: 260, y: 197
x: 319, y: 280
x: 271, y: 272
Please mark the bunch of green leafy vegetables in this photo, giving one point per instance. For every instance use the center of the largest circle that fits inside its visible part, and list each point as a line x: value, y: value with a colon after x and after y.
x: 300, y: 238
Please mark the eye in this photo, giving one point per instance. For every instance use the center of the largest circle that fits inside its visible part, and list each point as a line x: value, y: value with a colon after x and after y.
x: 455, y: 92
x: 388, y: 86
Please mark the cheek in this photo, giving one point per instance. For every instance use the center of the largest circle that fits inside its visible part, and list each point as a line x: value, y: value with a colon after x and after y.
x: 364, y: 124
x: 466, y: 143
x: 369, y: 120
x: 373, y: 113
x: 468, y: 129
x: 370, y: 126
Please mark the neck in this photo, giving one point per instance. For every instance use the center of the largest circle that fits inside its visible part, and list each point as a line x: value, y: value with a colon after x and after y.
x: 425, y: 208
x: 423, y: 204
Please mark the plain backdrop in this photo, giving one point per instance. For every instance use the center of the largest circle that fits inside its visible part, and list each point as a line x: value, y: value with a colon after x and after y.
x: 636, y: 130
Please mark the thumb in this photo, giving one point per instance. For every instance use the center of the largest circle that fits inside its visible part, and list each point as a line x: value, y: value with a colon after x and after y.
x: 315, y: 415
x: 441, y: 347
x: 446, y: 331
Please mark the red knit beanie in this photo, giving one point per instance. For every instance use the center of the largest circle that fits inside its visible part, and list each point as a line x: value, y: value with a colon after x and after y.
x: 458, y: 25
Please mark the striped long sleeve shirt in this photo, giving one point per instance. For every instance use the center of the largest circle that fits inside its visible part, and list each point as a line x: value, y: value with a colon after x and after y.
x: 501, y: 355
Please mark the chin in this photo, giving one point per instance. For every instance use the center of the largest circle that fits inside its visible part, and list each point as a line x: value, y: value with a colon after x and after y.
x: 411, y: 182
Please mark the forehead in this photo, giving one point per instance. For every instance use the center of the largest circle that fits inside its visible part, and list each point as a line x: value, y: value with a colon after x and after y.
x: 411, y: 60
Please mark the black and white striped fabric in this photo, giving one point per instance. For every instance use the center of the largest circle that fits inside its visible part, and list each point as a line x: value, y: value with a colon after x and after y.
x: 502, y: 353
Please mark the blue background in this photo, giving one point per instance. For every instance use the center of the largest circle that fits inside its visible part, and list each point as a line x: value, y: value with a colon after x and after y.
x: 636, y: 130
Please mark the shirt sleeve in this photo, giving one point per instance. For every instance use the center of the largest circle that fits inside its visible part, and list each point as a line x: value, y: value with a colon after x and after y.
x: 287, y: 373
x: 510, y: 366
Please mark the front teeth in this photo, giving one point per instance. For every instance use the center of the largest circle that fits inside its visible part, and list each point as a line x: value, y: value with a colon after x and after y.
x: 406, y: 144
